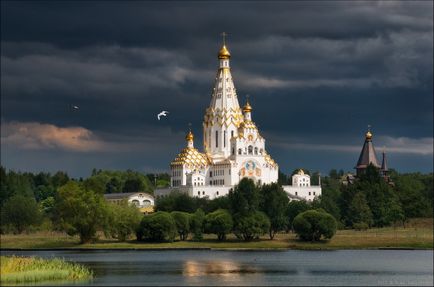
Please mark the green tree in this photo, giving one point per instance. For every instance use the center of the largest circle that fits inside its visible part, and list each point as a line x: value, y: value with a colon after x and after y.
x: 158, y: 226
x: 176, y: 201
x: 80, y: 211
x: 219, y: 222
x: 273, y: 202
x: 252, y: 225
x: 293, y: 209
x: 182, y: 223
x: 19, y: 213
x: 244, y: 197
x: 197, y: 224
x: 124, y: 220
x: 360, y: 211
x: 312, y: 225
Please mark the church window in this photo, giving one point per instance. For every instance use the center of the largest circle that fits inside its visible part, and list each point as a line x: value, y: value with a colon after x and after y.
x: 314, y: 193
x: 224, y: 138
x: 203, y: 192
x: 309, y: 192
x: 261, y: 151
x: 198, y: 193
x: 229, y: 171
x: 232, y: 134
x: 296, y: 193
x: 233, y: 151
x: 216, y: 139
x: 210, y: 182
x: 239, y: 151
x: 250, y: 149
x: 210, y: 174
x: 217, y: 192
x: 256, y: 150
x: 136, y: 202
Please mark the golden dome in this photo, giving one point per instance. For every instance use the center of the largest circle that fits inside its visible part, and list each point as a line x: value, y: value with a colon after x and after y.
x: 189, y: 136
x: 190, y: 157
x: 300, y: 172
x: 247, y: 108
x: 368, y: 135
x: 224, y: 53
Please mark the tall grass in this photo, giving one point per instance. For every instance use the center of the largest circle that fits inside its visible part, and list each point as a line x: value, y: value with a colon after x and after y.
x: 33, y: 269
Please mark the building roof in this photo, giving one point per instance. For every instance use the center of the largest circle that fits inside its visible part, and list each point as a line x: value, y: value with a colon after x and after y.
x: 367, y: 155
x: 121, y: 195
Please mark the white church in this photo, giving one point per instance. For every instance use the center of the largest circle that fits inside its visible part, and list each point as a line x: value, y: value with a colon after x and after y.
x: 233, y: 146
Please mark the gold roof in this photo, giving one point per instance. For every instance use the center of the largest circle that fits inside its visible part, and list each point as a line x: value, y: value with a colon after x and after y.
x: 224, y: 53
x: 190, y: 157
x: 300, y: 172
x: 269, y: 160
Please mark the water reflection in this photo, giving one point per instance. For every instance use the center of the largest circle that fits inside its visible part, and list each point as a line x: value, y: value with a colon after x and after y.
x: 226, y: 270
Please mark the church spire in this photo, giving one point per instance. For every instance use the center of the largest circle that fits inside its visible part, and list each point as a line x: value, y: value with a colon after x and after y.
x: 384, y: 167
x: 367, y: 155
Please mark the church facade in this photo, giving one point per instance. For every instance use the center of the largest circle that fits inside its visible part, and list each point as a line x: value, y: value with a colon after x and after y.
x: 233, y: 147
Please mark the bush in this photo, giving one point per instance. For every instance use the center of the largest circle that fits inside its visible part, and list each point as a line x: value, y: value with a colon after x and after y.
x: 182, y: 222
x: 124, y: 220
x: 219, y: 222
x: 311, y: 225
x: 197, y: 224
x: 293, y: 209
x: 251, y: 226
x: 19, y: 213
x: 158, y: 226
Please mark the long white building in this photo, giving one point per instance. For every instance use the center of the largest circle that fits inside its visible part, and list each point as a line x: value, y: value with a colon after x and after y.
x: 233, y: 147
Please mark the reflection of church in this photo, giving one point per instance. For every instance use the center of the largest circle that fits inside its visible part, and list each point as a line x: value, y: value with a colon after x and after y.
x: 233, y: 146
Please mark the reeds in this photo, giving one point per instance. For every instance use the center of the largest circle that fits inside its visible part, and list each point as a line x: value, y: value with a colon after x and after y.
x: 33, y: 269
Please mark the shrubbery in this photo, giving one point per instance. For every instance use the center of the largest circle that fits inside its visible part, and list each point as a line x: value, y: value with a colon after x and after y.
x: 312, y: 225
x: 251, y: 225
x: 182, y: 223
x: 158, y: 226
x: 219, y: 222
x: 124, y: 220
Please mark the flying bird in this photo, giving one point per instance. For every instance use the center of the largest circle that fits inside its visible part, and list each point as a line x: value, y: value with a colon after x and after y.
x: 163, y: 113
x: 74, y: 107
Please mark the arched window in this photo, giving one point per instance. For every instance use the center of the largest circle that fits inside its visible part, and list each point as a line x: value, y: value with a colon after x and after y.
x: 240, y: 151
x: 256, y: 150
x: 146, y: 202
x: 261, y: 151
x: 250, y: 149
x: 136, y: 202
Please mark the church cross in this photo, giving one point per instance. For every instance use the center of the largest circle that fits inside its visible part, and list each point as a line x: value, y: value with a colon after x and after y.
x: 224, y: 34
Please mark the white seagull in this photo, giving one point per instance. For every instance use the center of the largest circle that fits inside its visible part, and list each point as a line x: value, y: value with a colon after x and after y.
x: 75, y: 107
x: 163, y: 113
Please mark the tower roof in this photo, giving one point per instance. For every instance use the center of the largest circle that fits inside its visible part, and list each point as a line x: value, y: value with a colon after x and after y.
x: 367, y: 155
x: 224, y: 53
x: 384, y: 163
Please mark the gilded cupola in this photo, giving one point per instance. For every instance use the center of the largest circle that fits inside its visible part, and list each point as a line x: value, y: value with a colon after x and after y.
x: 224, y: 53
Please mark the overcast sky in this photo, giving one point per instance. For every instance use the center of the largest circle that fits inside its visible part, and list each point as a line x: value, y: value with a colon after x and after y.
x: 317, y: 74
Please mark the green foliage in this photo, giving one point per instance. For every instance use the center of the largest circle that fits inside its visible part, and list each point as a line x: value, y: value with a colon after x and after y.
x: 360, y: 211
x: 251, y: 225
x: 274, y: 202
x: 19, y: 213
x: 182, y: 223
x: 244, y: 198
x: 360, y: 226
x: 80, y: 211
x: 197, y: 220
x: 158, y: 227
x: 177, y: 201
x: 293, y: 209
x: 282, y: 179
x: 219, y: 222
x: 221, y: 202
x: 124, y: 220
x: 312, y: 225
x: 410, y: 189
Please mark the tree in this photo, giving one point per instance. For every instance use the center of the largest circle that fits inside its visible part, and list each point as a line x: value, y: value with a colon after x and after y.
x: 197, y: 224
x: 80, y: 211
x: 124, y: 220
x: 182, y: 223
x: 252, y: 225
x: 359, y: 210
x: 311, y: 225
x: 244, y: 198
x: 19, y: 213
x: 273, y: 202
x: 176, y: 201
x: 133, y: 185
x: 410, y: 193
x: 219, y: 222
x: 282, y: 178
x: 158, y: 226
x: 293, y: 209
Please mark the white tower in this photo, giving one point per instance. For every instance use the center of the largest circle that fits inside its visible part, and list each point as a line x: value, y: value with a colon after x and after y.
x: 223, y: 116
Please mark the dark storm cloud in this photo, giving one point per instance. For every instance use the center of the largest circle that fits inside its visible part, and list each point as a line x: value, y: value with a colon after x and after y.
x: 324, y: 70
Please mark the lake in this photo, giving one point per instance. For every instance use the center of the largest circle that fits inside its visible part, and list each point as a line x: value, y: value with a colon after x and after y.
x: 213, y: 267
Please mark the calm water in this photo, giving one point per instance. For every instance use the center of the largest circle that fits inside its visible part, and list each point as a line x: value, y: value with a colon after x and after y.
x: 205, y: 267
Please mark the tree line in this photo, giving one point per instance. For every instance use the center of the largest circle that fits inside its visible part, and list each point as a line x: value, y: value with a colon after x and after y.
x: 56, y: 202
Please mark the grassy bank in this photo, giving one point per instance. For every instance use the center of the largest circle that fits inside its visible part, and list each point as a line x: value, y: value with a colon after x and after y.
x: 18, y: 270
x: 417, y: 234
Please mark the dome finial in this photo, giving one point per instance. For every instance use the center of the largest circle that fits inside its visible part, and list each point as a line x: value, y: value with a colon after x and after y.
x: 189, y: 136
x: 368, y: 135
x: 247, y: 107
x: 224, y: 52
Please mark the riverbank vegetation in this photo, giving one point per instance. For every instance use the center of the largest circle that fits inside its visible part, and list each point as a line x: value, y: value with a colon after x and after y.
x: 43, y: 202
x: 19, y: 270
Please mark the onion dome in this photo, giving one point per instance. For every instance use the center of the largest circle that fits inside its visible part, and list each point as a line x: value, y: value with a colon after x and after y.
x: 300, y: 172
x: 368, y: 135
x: 189, y: 136
x: 247, y: 108
x: 224, y: 53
